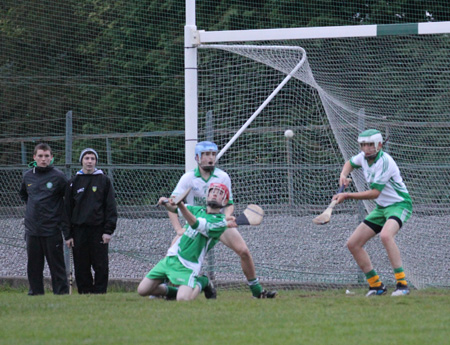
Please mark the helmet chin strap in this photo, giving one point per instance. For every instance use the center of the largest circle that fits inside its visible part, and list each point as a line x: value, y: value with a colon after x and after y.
x: 371, y: 156
x: 208, y: 167
x: 214, y: 204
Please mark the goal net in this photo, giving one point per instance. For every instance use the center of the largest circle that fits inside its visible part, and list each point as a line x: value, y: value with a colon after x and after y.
x: 397, y: 84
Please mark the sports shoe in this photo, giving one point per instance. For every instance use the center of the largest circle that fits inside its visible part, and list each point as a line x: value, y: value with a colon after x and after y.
x: 377, y: 291
x: 267, y: 294
x: 401, y: 290
x: 210, y: 291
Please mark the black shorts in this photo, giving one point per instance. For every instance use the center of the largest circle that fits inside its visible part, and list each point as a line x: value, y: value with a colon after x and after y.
x: 377, y: 228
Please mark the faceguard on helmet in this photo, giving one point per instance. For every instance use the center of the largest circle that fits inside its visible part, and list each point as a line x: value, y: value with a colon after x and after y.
x: 224, y: 191
x: 371, y: 136
x: 205, y: 146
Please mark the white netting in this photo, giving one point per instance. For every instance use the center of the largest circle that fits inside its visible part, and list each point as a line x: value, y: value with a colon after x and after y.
x: 398, y: 85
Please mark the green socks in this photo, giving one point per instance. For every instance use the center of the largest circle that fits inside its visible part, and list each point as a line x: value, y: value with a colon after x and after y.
x: 172, y: 291
x: 255, y: 287
x: 203, y: 282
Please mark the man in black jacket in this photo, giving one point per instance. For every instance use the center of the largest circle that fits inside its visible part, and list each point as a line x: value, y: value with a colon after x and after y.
x: 42, y: 190
x: 91, y: 208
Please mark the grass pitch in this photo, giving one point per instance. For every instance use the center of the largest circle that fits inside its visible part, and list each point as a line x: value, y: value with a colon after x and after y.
x: 295, y: 317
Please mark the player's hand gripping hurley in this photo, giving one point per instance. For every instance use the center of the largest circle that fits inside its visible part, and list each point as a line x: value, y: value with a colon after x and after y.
x: 325, y: 217
x: 177, y: 200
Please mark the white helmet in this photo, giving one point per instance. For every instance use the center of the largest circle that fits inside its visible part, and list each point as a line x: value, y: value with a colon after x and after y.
x: 371, y: 136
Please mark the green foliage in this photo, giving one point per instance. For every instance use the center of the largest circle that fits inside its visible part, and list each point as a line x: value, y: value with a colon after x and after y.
x: 82, y: 55
x: 119, y: 64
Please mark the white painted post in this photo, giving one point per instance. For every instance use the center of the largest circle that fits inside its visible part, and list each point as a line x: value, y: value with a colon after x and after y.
x: 190, y: 86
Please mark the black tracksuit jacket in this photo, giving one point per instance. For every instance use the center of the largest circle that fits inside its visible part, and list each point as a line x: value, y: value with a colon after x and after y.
x: 43, y: 189
x: 90, y: 202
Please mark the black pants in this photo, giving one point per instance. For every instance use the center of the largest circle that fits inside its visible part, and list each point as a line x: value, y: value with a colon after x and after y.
x: 89, y: 252
x: 51, y: 248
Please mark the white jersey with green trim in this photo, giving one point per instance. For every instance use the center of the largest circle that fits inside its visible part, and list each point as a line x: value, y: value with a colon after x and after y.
x: 197, y: 195
x: 384, y: 175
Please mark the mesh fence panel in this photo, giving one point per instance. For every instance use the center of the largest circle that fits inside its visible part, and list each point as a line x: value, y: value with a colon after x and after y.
x: 118, y: 67
x: 328, y: 102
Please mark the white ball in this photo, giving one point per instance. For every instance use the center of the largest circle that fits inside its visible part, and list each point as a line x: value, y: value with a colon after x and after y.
x: 289, y: 133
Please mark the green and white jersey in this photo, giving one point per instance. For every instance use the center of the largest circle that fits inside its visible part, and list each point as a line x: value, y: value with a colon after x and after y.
x: 383, y: 175
x: 197, y: 195
x: 197, y: 240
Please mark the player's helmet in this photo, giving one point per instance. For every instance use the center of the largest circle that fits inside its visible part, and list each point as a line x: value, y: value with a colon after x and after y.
x: 204, y: 146
x: 371, y: 136
x: 223, y: 188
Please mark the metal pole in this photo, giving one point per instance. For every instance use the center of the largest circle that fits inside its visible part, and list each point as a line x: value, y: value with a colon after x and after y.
x: 386, y: 136
x: 361, y: 127
x: 69, y: 140
x: 109, y: 159
x: 209, y: 126
x: 23, y: 150
x: 209, y: 129
x: 289, y: 171
x: 360, y: 277
x: 68, y: 166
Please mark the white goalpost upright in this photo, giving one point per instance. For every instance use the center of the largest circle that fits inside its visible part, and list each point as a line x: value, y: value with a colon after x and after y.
x: 190, y: 84
x: 326, y: 84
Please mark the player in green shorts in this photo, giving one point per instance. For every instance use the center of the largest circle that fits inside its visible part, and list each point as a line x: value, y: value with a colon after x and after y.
x: 184, y: 258
x: 199, y: 180
x: 393, y: 209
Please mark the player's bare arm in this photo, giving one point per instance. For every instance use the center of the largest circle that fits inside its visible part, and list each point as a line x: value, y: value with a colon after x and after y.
x: 366, y: 195
x: 176, y: 224
x: 190, y: 218
x: 346, y: 170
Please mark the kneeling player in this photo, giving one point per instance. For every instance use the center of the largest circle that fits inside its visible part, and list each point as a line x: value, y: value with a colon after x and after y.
x: 184, y: 258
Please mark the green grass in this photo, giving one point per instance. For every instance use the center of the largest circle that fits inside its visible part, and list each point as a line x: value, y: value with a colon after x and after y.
x: 295, y: 317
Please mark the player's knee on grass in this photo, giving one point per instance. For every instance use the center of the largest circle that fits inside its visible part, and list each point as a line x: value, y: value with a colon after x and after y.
x: 146, y: 287
x: 142, y: 291
x: 186, y: 293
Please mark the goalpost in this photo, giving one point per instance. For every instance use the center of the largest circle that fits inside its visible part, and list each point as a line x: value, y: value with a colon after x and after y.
x: 326, y: 85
